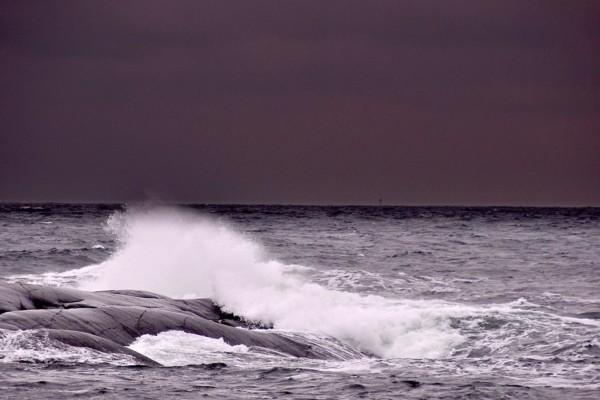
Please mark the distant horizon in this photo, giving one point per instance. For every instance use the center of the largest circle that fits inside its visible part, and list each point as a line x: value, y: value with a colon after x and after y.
x: 258, y: 204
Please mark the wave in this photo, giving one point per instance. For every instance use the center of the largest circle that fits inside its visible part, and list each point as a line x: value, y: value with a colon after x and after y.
x: 181, y: 254
x: 35, y: 346
x: 175, y: 348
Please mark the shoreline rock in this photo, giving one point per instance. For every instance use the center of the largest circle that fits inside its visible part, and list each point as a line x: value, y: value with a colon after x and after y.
x: 109, y: 321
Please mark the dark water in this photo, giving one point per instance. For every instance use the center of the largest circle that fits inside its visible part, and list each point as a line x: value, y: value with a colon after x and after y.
x: 447, y: 302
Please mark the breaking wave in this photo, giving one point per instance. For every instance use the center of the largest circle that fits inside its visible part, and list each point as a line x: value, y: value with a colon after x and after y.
x: 181, y: 254
x: 176, y: 348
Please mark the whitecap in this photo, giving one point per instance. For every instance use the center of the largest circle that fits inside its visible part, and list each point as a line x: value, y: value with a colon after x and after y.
x: 180, y: 254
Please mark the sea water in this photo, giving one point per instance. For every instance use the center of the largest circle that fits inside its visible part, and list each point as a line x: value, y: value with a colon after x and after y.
x: 421, y: 302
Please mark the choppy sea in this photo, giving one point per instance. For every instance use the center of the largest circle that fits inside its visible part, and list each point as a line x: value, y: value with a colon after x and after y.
x: 414, y: 302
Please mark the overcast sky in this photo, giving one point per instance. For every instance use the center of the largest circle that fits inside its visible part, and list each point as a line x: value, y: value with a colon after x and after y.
x: 416, y: 102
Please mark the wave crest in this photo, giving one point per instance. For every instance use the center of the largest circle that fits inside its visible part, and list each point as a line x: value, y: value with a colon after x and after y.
x: 181, y: 254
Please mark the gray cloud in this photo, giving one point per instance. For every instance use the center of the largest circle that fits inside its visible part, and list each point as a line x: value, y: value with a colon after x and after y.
x: 459, y: 102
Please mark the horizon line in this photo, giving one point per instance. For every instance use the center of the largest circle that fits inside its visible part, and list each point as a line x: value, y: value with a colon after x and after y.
x: 208, y: 204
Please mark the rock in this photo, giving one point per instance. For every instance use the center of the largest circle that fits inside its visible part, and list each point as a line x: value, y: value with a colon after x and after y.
x: 109, y: 320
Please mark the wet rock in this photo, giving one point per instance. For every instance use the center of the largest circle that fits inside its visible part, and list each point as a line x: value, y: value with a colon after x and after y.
x: 216, y: 365
x: 109, y: 320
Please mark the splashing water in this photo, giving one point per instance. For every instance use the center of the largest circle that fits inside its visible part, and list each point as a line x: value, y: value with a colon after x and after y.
x: 174, y: 348
x: 180, y: 254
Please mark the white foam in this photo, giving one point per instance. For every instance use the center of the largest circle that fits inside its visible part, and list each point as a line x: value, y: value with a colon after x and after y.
x: 181, y: 254
x: 67, y: 278
x: 175, y: 348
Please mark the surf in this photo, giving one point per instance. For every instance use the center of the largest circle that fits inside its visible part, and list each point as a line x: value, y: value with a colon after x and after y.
x: 183, y: 254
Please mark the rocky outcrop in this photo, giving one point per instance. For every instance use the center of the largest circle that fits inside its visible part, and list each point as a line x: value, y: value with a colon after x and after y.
x: 110, y: 320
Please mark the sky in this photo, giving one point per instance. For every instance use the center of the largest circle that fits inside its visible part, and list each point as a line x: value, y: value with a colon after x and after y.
x: 301, y: 102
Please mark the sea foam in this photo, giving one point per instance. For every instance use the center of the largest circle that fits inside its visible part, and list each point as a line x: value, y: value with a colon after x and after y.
x: 175, y: 348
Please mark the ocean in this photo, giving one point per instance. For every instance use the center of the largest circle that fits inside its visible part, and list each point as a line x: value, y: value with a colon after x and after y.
x: 411, y: 302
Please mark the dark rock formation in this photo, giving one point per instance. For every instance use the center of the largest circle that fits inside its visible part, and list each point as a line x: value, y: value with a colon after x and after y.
x: 110, y: 320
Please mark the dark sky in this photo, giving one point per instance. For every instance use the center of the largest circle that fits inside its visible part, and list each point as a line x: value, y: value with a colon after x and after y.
x: 416, y: 102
